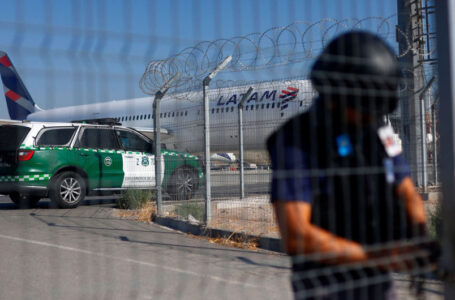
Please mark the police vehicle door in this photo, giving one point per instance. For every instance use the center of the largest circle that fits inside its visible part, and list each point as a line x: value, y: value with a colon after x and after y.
x: 98, y: 155
x: 138, y: 159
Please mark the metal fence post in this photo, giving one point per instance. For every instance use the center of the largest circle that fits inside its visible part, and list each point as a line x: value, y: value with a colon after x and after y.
x: 157, y: 127
x: 205, y: 86
x: 445, y: 22
x: 242, y: 171
x: 423, y: 144
x: 435, y: 145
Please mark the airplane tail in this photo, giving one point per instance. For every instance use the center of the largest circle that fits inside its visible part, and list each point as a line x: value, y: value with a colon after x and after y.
x: 20, y: 103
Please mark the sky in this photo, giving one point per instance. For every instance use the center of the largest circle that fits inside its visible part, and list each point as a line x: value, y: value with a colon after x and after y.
x: 78, y: 52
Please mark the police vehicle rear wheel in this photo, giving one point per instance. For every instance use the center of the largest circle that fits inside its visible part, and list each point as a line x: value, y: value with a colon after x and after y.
x: 67, y: 190
x: 183, y: 184
x: 24, y: 201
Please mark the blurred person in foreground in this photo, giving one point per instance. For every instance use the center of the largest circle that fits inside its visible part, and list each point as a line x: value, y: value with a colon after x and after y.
x: 347, y: 209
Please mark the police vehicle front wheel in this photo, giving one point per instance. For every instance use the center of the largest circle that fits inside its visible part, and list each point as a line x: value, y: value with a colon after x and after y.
x: 67, y: 190
x: 24, y: 201
x: 183, y: 184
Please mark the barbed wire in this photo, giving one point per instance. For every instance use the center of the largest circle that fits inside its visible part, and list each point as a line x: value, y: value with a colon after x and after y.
x: 297, y: 42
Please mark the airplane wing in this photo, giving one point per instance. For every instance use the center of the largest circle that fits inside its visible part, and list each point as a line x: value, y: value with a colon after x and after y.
x: 150, y: 132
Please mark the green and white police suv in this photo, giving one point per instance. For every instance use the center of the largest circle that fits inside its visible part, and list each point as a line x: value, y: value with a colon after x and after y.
x: 67, y: 161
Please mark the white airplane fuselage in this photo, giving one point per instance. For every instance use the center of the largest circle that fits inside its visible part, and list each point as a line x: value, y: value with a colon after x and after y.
x: 182, y: 115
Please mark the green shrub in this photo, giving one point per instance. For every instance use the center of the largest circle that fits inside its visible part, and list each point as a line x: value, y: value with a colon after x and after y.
x: 135, y: 199
x: 435, y: 221
x: 197, y: 210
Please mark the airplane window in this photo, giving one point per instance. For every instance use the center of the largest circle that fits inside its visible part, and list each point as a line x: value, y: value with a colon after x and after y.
x: 130, y: 118
x: 268, y: 105
x: 273, y: 105
x: 213, y: 110
x: 186, y: 113
x: 222, y: 109
x: 149, y: 116
x: 246, y: 107
x: 300, y: 103
x: 161, y: 115
x: 257, y: 106
x: 278, y: 104
x: 217, y: 110
x: 232, y: 108
x: 262, y: 106
x: 173, y: 114
x: 252, y: 107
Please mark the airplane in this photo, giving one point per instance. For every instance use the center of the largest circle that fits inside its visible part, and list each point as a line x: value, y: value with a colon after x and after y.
x: 182, y: 114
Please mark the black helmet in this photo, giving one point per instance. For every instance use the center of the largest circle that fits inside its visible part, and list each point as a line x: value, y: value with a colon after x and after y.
x: 359, y: 69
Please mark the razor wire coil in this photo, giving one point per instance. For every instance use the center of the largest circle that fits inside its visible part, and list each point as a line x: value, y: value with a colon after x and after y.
x: 298, y: 42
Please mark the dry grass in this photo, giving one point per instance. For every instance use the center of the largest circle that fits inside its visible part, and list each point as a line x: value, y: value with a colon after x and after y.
x: 233, y: 240
x: 143, y: 214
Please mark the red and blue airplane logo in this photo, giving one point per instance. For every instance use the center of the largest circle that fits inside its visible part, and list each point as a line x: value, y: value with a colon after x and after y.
x: 288, y: 95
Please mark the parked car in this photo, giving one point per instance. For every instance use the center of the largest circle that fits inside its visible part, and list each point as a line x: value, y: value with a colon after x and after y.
x: 67, y: 161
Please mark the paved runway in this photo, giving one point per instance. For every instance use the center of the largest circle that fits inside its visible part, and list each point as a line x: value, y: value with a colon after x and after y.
x: 85, y: 253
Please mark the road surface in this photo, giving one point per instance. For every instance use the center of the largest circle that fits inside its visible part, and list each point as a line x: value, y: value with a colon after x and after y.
x: 85, y: 253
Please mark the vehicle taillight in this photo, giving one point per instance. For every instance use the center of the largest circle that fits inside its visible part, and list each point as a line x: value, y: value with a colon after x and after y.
x: 24, y: 155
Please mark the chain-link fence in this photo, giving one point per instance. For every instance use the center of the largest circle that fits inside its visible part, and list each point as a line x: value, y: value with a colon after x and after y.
x: 217, y: 171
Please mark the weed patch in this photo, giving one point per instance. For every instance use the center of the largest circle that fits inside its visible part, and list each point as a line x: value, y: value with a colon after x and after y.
x: 135, y: 199
x: 197, y: 210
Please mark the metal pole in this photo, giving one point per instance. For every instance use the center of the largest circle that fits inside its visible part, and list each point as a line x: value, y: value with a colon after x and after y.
x: 156, y: 124
x: 410, y: 22
x: 435, y: 150
x: 205, y: 86
x: 423, y: 144
x: 445, y: 22
x: 423, y: 132
x: 242, y: 171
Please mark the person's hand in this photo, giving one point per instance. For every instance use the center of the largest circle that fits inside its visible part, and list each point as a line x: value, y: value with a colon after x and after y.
x: 406, y: 257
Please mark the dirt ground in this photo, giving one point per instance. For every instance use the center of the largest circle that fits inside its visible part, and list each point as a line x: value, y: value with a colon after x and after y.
x: 255, y: 216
